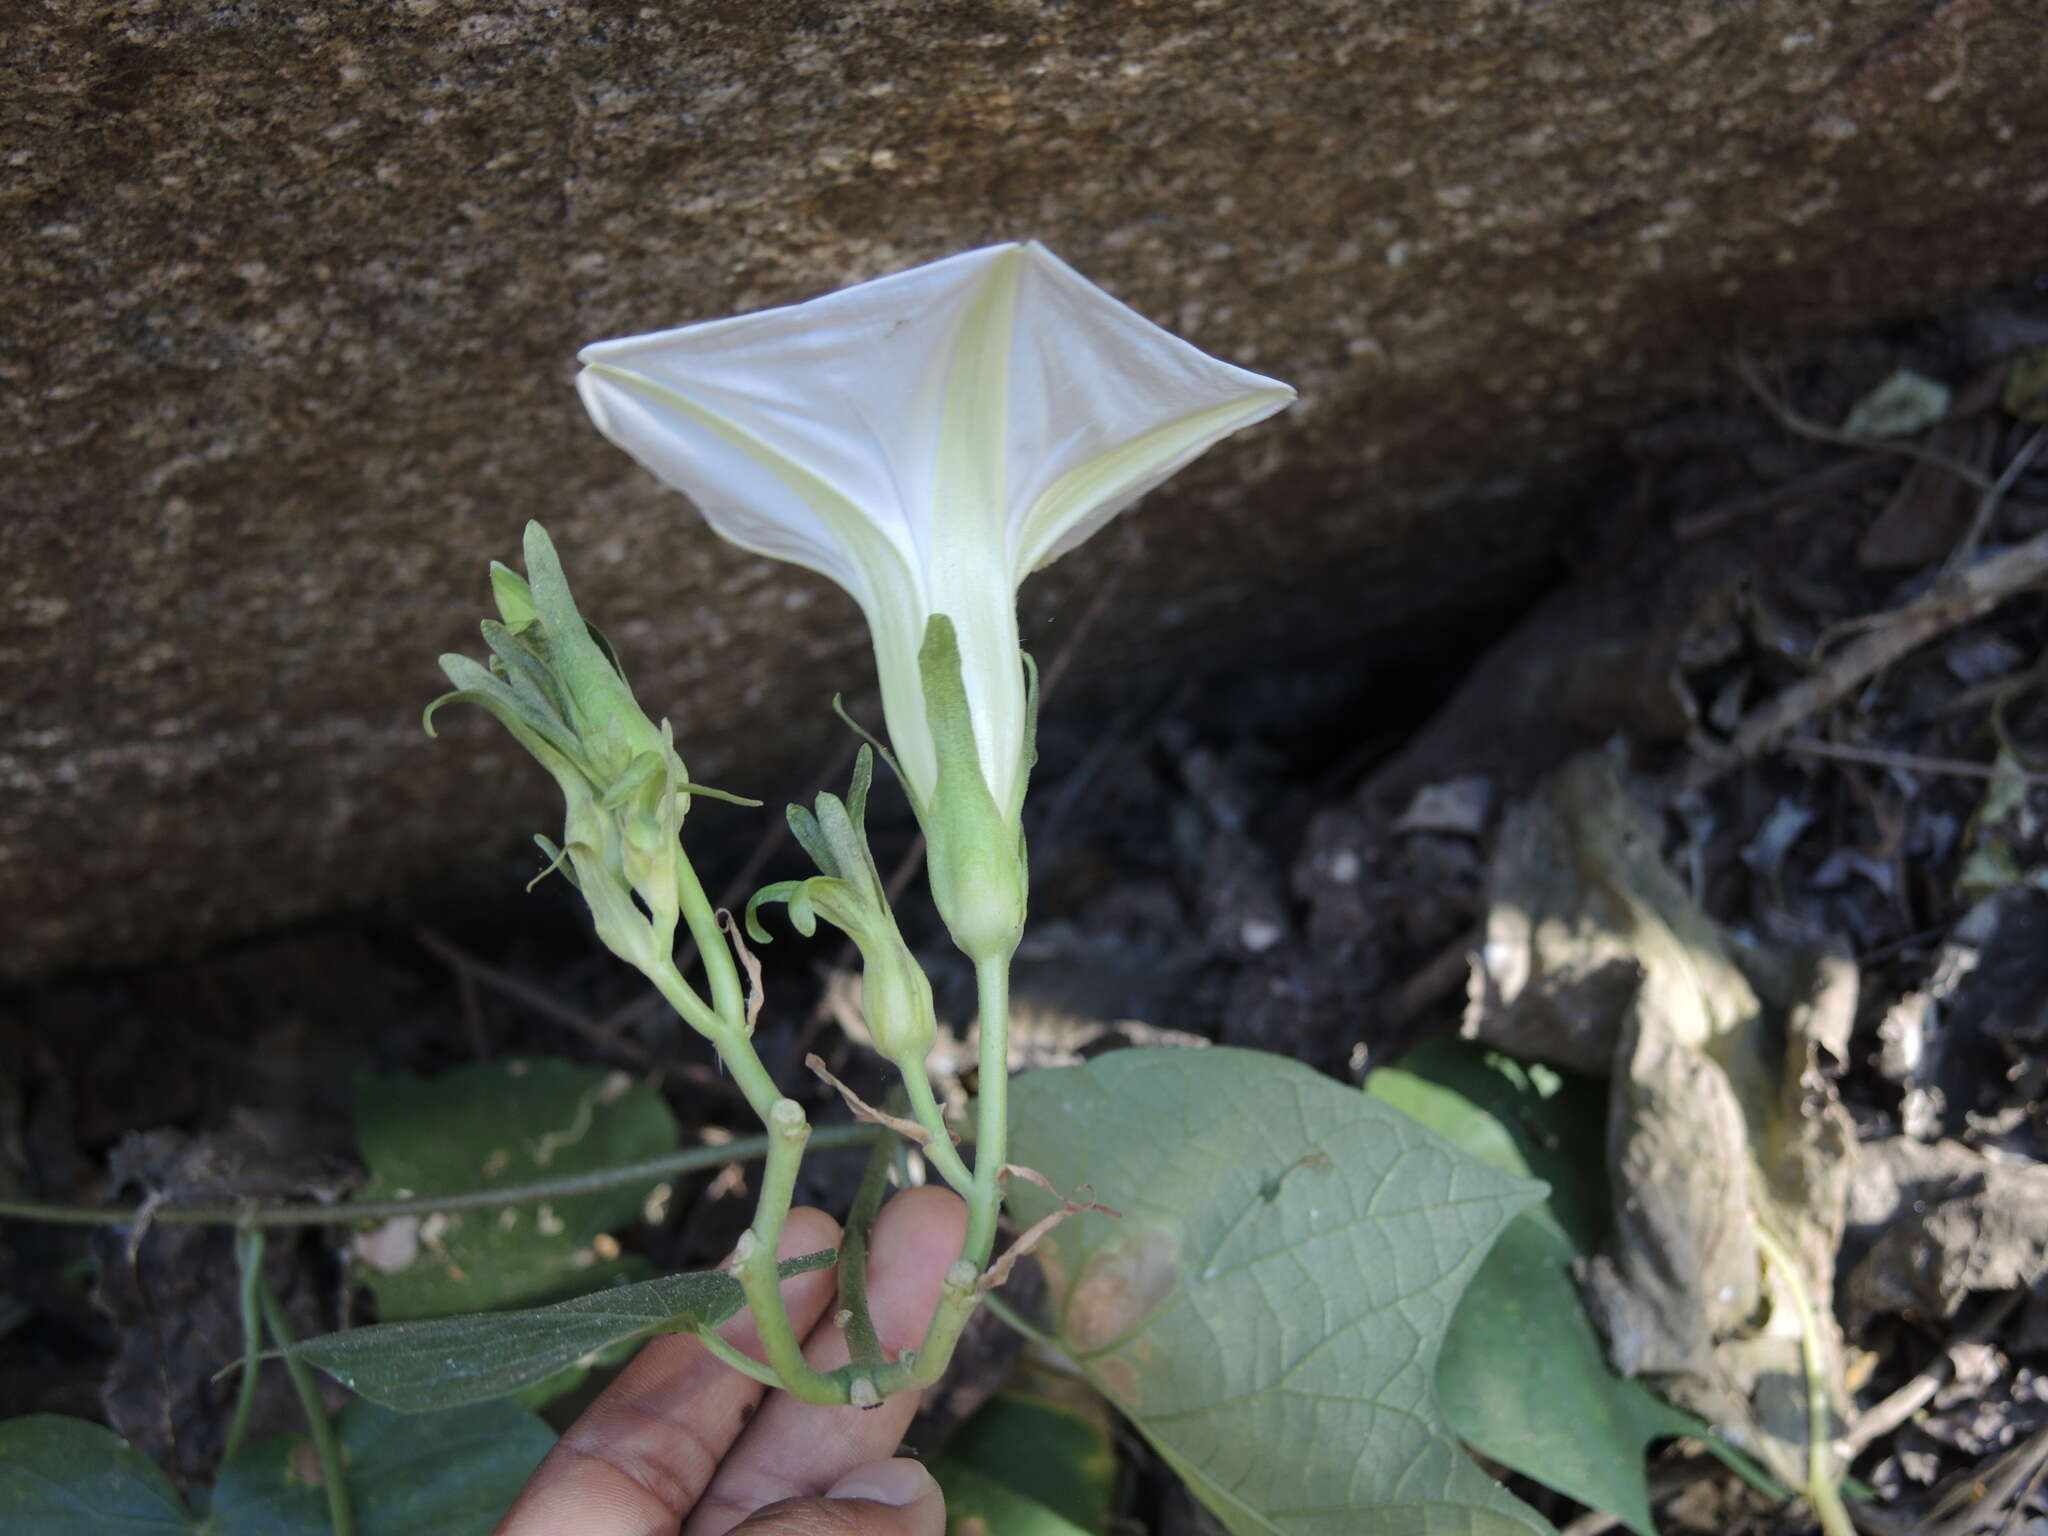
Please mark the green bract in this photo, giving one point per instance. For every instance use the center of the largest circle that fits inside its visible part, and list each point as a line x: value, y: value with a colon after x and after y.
x: 559, y: 690
x: 850, y: 895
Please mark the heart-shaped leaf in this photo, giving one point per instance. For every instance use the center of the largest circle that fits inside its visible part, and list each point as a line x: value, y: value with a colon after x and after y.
x: 65, y: 1477
x: 449, y: 1361
x: 1523, y: 1377
x: 1269, y: 1307
x: 435, y: 1474
x: 501, y: 1122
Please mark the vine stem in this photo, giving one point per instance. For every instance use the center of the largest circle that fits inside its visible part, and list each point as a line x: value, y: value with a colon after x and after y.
x: 984, y: 1193
x: 1821, y: 1490
x: 341, y: 1213
x: 249, y: 1244
x: 788, y: 1133
x: 940, y: 1153
x: 857, y: 1322
x: 333, y: 1469
x: 754, y: 1262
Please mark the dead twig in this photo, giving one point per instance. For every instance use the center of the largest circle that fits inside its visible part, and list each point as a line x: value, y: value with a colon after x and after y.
x: 553, y: 1009
x: 1973, y: 1498
x: 1833, y: 479
x: 1747, y: 370
x: 1987, y: 508
x: 1440, y: 976
x: 1913, y: 762
x: 1969, y: 595
x: 1884, y: 1417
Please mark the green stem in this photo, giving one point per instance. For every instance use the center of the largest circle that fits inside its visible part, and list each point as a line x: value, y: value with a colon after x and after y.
x: 342, y: 1213
x: 333, y: 1471
x: 1821, y: 1490
x: 755, y: 1264
x: 941, y: 1152
x: 984, y: 1192
x: 991, y: 1110
x: 737, y: 1358
x: 863, y: 1344
x: 727, y: 995
x: 249, y: 1244
x: 956, y: 1306
x: 682, y: 997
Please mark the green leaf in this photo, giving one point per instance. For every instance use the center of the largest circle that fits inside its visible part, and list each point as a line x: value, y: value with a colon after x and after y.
x: 1524, y: 1118
x: 501, y: 1123
x: 1269, y: 1307
x: 1026, y: 1465
x: 65, y: 1477
x: 447, y: 1362
x: 1523, y: 1377
x: 979, y: 1501
x: 437, y: 1474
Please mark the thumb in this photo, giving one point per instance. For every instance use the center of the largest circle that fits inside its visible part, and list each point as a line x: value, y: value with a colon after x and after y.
x: 883, y: 1498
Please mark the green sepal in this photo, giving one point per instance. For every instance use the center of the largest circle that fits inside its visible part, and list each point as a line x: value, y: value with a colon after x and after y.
x: 803, y: 826
x: 514, y: 597
x: 781, y: 890
x: 875, y: 743
x: 974, y: 852
x: 709, y: 793
x: 857, y: 790
x: 1030, y: 731
x: 602, y: 710
x: 520, y: 664
x: 642, y: 771
x: 546, y: 739
x: 558, y: 859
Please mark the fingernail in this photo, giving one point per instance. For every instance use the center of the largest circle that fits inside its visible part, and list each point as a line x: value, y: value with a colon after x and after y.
x: 895, y: 1483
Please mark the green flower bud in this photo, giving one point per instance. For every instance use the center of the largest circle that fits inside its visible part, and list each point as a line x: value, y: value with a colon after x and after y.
x: 558, y: 688
x: 850, y: 895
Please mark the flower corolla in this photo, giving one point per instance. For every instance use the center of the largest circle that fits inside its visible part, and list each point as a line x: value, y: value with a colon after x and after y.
x: 926, y: 440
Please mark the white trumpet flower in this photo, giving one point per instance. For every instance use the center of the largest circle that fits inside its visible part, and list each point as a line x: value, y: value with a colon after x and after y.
x: 926, y: 440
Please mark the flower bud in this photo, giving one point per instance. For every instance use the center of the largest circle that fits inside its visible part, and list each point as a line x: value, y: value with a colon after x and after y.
x: 558, y: 688
x: 849, y: 894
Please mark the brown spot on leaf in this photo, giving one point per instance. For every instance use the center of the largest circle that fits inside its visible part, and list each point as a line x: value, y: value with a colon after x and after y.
x: 1123, y: 1284
x: 305, y: 1464
x: 1119, y: 1379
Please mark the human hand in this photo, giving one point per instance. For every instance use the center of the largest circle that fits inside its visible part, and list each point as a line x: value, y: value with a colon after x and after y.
x: 675, y: 1444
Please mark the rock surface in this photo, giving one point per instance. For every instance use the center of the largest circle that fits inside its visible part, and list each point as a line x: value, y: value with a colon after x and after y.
x: 292, y: 295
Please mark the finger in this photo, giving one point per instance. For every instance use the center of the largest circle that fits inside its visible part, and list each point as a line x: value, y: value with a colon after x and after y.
x: 885, y: 1498
x: 794, y: 1449
x: 643, y: 1453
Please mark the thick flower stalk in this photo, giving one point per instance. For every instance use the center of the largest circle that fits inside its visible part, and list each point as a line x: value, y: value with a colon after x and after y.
x: 927, y: 440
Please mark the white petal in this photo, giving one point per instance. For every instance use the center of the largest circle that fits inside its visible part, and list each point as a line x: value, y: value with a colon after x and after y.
x: 1109, y: 404
x: 848, y: 386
